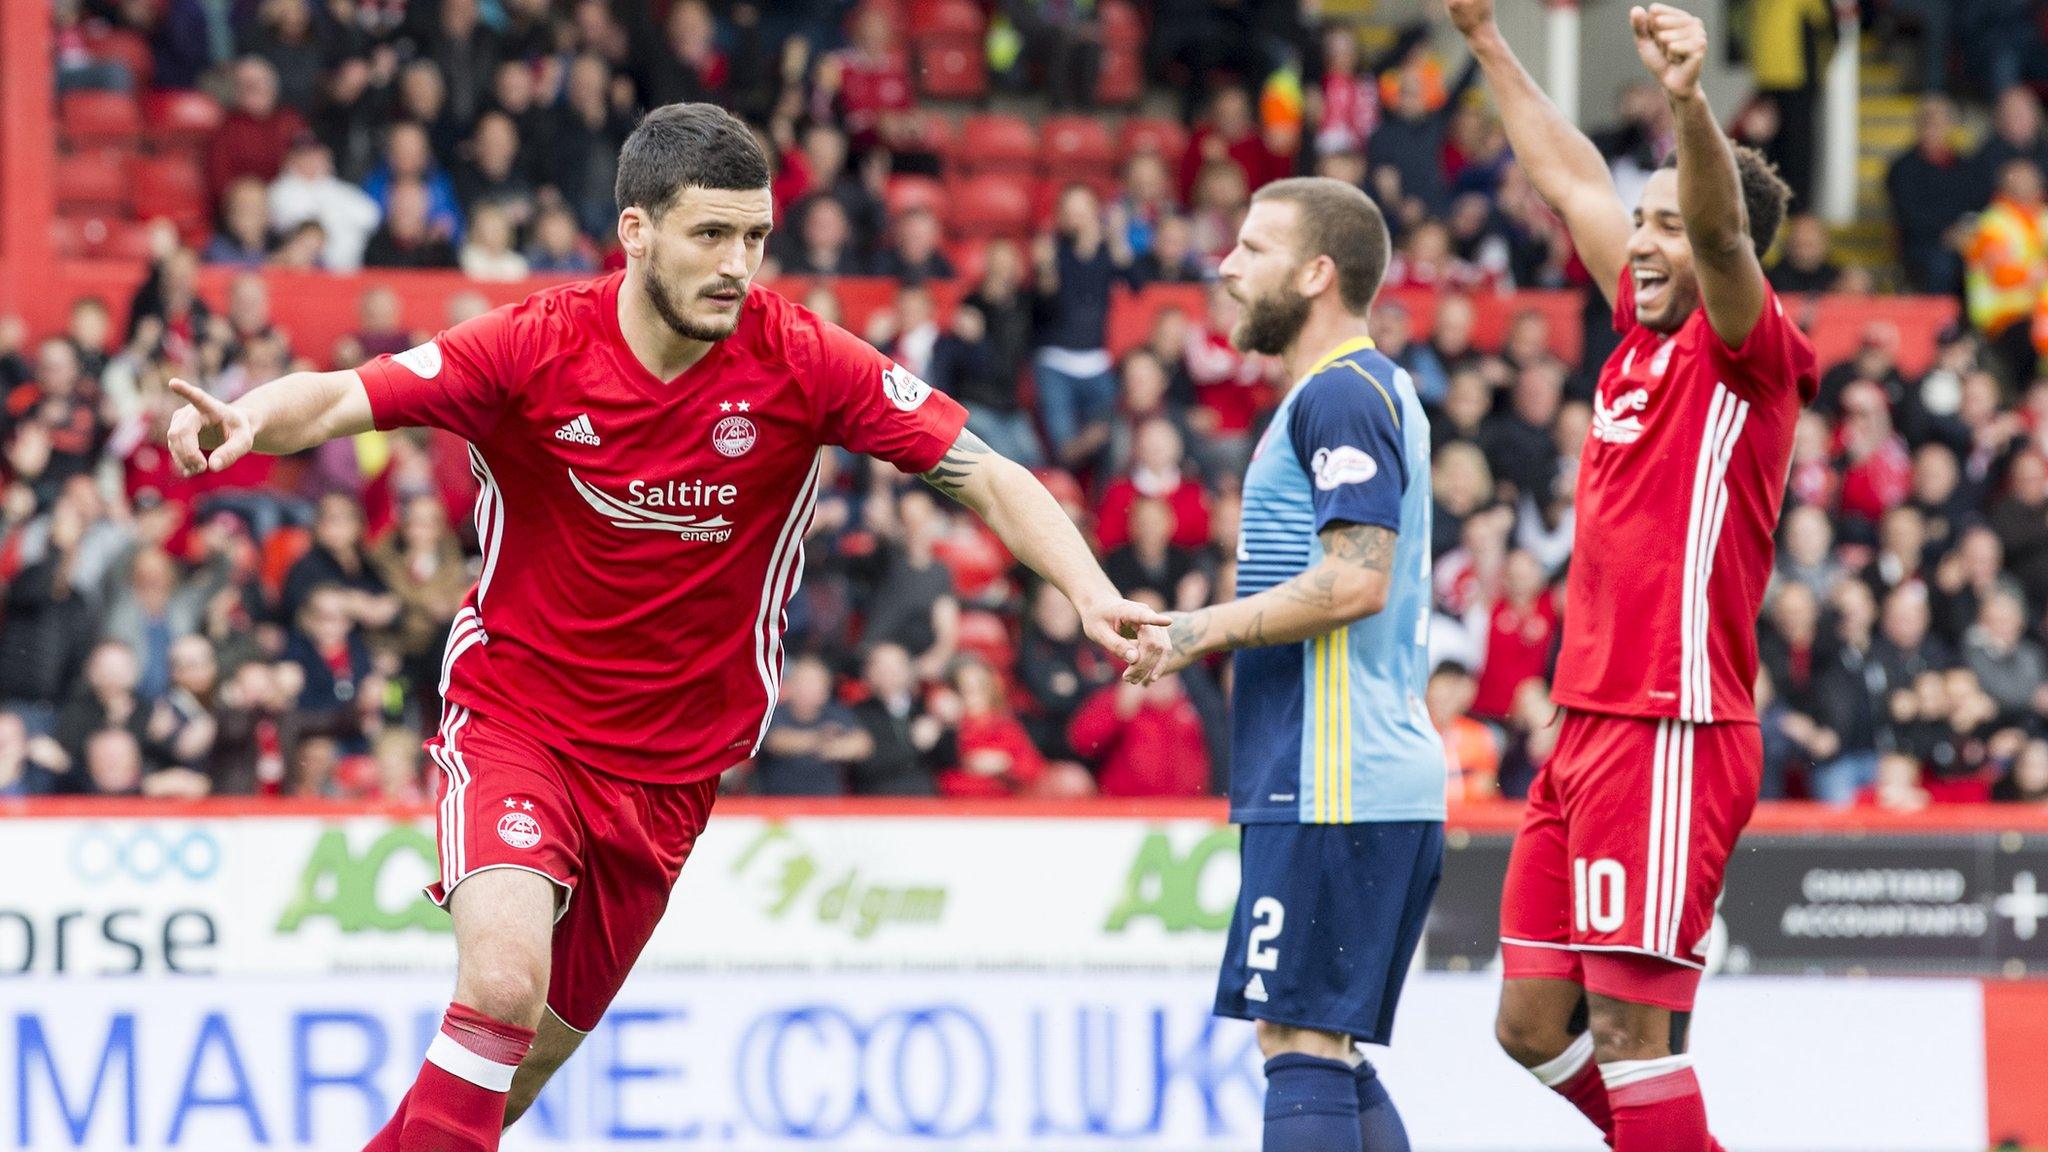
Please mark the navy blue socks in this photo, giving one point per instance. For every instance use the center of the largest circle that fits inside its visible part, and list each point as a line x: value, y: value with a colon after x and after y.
x: 1312, y: 1105
x: 1379, y: 1125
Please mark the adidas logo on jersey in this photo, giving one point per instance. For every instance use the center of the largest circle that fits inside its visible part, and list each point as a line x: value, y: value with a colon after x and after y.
x: 578, y: 431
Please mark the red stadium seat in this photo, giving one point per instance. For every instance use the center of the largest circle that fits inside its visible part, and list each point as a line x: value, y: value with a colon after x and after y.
x: 181, y: 120
x: 938, y: 136
x: 951, y: 68
x: 92, y: 182
x: 1122, y: 26
x: 997, y: 143
x: 173, y: 187
x: 1078, y: 148
x: 990, y: 206
x: 958, y: 18
x: 67, y: 236
x: 985, y: 635
x: 99, y: 120
x: 126, y: 47
x: 969, y: 259
x: 1121, y: 82
x: 99, y: 237
x: 1166, y: 138
x: 906, y: 193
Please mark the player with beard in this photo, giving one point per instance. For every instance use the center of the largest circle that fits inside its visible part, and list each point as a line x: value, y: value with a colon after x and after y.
x: 647, y: 445
x: 1337, y: 774
x: 1612, y: 884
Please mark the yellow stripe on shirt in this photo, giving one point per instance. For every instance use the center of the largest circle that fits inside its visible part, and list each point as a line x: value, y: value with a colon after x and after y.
x: 1344, y: 713
x: 1322, y: 651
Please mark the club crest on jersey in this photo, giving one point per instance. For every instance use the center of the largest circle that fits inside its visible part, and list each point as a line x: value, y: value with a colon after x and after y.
x: 1616, y: 424
x: 1336, y: 467
x: 519, y: 829
x: 734, y: 436
x: 905, y: 391
x: 422, y: 360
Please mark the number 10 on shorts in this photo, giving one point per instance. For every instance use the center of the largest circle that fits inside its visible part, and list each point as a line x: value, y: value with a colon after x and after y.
x: 1599, y: 894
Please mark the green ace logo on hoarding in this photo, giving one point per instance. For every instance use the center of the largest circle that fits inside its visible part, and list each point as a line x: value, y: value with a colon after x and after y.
x: 1167, y: 885
x: 797, y: 881
x: 353, y: 891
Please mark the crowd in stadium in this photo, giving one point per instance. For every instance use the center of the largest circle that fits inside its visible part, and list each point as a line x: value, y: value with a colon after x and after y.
x: 278, y: 628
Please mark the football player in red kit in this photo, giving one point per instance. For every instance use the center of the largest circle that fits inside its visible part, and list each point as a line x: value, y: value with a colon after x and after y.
x: 647, y: 446
x: 1611, y: 888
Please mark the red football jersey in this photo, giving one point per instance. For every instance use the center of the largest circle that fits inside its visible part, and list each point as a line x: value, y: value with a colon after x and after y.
x: 1680, y: 481
x: 641, y: 537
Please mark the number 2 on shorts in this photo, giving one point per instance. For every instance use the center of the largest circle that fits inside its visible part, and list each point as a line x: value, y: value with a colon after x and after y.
x: 1270, y: 917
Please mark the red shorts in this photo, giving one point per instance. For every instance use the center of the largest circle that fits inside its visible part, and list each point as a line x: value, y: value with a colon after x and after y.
x: 1617, y: 869
x: 613, y: 846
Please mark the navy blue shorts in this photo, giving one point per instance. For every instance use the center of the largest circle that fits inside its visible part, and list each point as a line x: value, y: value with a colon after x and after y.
x: 1328, y: 918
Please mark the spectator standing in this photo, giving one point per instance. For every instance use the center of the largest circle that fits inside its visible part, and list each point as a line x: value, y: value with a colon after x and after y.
x: 2006, y: 269
x: 558, y: 244
x: 467, y: 53
x: 1143, y: 740
x: 337, y: 561
x: 149, y: 612
x: 1078, y: 264
x: 409, y: 159
x: 1876, y: 469
x: 2016, y: 134
x: 47, y: 629
x: 284, y: 37
x: 869, y: 82
x: 487, y: 252
x: 1004, y: 315
x: 1789, y: 45
x: 812, y: 739
x: 585, y: 134
x: 1064, y: 39
x: 1904, y: 644
x: 1411, y: 137
x: 995, y: 757
x: 492, y: 174
x: 909, y: 741
x: 253, y: 139
x: 1966, y: 579
x: 1932, y: 188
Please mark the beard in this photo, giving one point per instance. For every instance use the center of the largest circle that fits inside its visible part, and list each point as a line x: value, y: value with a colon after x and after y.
x: 1681, y: 300
x: 663, y: 298
x: 1271, y: 322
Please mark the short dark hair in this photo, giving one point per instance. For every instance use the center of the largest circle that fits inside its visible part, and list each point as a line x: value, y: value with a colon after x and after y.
x: 1340, y: 221
x: 680, y: 146
x: 1765, y: 195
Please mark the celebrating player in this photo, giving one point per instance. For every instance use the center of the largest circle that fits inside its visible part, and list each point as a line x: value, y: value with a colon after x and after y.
x: 1337, y: 773
x: 1611, y: 888
x: 647, y: 445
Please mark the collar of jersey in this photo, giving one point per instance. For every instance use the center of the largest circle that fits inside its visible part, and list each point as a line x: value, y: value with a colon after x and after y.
x: 1355, y: 344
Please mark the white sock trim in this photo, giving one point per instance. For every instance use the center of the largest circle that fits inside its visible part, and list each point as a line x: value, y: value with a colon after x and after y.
x: 1622, y: 1073
x: 448, y: 1054
x: 1572, y: 1061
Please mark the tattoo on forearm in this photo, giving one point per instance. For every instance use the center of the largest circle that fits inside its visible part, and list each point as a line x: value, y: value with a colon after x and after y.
x: 951, y: 473
x: 1365, y: 545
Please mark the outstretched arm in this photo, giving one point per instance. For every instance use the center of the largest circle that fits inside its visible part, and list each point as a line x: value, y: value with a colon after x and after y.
x: 1022, y: 514
x: 1673, y: 44
x: 290, y: 414
x: 1348, y: 585
x: 1568, y: 172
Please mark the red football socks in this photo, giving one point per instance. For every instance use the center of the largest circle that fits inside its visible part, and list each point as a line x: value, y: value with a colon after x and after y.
x: 1657, y: 1106
x: 458, y: 1103
x: 1574, y: 1076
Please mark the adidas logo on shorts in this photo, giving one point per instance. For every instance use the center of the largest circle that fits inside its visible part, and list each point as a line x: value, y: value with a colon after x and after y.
x: 578, y: 431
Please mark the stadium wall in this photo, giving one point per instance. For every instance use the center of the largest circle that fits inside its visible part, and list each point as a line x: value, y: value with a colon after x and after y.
x: 863, y: 976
